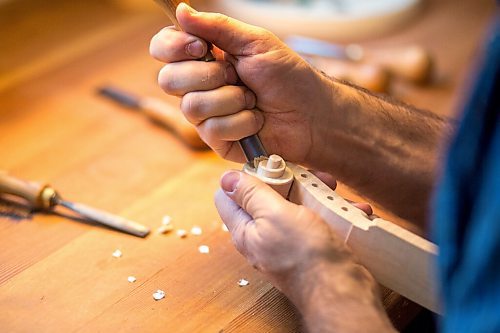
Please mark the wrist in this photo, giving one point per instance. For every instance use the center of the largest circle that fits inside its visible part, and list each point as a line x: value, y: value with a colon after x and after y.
x: 328, y: 123
x: 338, y: 296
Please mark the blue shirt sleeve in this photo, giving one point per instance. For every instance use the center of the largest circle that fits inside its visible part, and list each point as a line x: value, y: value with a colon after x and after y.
x: 467, y: 207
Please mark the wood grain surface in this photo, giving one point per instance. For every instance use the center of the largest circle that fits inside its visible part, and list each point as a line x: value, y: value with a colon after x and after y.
x: 57, y: 273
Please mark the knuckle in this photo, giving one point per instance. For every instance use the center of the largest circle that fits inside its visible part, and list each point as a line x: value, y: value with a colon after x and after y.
x: 192, y: 107
x: 167, y: 81
x: 220, y: 19
x: 214, y: 129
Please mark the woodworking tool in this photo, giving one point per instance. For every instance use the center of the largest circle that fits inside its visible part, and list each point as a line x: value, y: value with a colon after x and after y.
x: 159, y: 111
x: 251, y: 146
x: 412, y: 63
x: 45, y: 198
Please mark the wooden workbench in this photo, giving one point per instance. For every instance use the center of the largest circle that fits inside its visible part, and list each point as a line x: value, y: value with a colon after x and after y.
x: 57, y: 274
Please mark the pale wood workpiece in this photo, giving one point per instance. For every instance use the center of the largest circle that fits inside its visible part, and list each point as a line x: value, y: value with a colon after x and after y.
x: 58, y: 274
x: 398, y: 259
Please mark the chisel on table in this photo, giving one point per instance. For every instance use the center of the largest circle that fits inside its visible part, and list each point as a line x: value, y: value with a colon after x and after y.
x: 158, y: 111
x: 44, y: 197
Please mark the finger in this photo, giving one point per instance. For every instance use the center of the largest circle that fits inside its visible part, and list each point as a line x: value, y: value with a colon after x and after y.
x: 227, y: 33
x: 179, y: 78
x: 228, y: 150
x: 231, y: 128
x: 234, y: 217
x: 201, y: 105
x: 326, y: 178
x: 251, y: 194
x: 171, y: 45
x: 365, y: 207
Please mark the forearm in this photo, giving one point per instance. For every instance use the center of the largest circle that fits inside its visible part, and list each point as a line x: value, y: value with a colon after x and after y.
x: 384, y: 149
x: 334, y: 299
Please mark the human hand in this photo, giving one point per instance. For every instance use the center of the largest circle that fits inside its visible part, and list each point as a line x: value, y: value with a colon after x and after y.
x: 288, y: 93
x: 301, y: 255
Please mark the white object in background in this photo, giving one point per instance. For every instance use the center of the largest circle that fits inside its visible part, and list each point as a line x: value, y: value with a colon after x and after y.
x: 341, y: 20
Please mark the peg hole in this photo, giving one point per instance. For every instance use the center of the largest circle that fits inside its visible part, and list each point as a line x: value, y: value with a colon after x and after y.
x: 345, y: 209
x: 330, y: 197
x: 303, y: 175
x: 314, y: 185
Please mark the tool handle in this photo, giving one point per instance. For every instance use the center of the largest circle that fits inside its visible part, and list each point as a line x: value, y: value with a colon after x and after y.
x: 412, y: 63
x: 371, y: 77
x: 170, y: 116
x: 32, y: 192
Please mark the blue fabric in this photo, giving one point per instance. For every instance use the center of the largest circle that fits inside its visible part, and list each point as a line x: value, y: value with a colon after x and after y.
x: 467, y: 207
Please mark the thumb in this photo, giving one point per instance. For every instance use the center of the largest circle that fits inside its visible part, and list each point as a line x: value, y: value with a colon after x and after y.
x: 251, y: 194
x: 226, y: 33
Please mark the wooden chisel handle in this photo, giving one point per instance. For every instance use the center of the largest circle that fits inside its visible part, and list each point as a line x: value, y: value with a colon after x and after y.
x: 170, y: 116
x: 37, y: 195
x: 412, y: 63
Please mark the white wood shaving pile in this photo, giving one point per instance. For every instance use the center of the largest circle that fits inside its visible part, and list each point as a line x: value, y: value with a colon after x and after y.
x: 196, y: 230
x: 158, y: 295
x: 166, y: 220
x: 164, y: 229
x: 181, y: 233
x: 131, y: 279
x: 117, y: 253
x: 204, y: 249
x: 243, y: 283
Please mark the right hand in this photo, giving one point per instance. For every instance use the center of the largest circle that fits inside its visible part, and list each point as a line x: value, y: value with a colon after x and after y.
x: 289, y: 94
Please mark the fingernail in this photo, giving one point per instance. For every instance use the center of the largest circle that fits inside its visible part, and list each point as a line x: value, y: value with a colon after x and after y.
x: 231, y: 75
x: 195, y: 49
x: 229, y: 181
x: 188, y: 7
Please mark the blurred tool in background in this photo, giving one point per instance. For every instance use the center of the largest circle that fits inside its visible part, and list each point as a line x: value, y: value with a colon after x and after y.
x: 367, y: 68
x: 45, y: 198
x: 159, y: 111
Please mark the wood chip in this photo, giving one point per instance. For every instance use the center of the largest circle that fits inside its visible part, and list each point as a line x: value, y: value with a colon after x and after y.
x: 243, y: 283
x: 181, y: 233
x: 204, y: 249
x: 196, y: 230
x: 224, y: 228
x: 166, y: 220
x: 158, y: 295
x: 117, y: 253
x: 131, y: 279
x: 164, y: 229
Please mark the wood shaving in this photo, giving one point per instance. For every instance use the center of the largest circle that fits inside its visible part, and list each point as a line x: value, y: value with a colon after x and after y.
x: 243, y: 283
x: 117, y: 253
x: 181, y: 233
x: 204, y: 249
x: 164, y: 229
x: 166, y: 220
x: 224, y: 228
x: 196, y: 230
x: 131, y: 279
x: 158, y: 295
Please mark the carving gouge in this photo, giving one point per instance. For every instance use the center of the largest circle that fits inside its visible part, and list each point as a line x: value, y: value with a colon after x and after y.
x: 413, y: 63
x: 44, y: 197
x: 252, y: 146
x: 158, y: 111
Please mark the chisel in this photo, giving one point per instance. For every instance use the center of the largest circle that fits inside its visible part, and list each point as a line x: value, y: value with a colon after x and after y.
x: 45, y: 198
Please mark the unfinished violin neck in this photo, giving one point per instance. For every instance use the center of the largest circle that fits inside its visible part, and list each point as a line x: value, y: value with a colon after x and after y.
x: 397, y: 258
